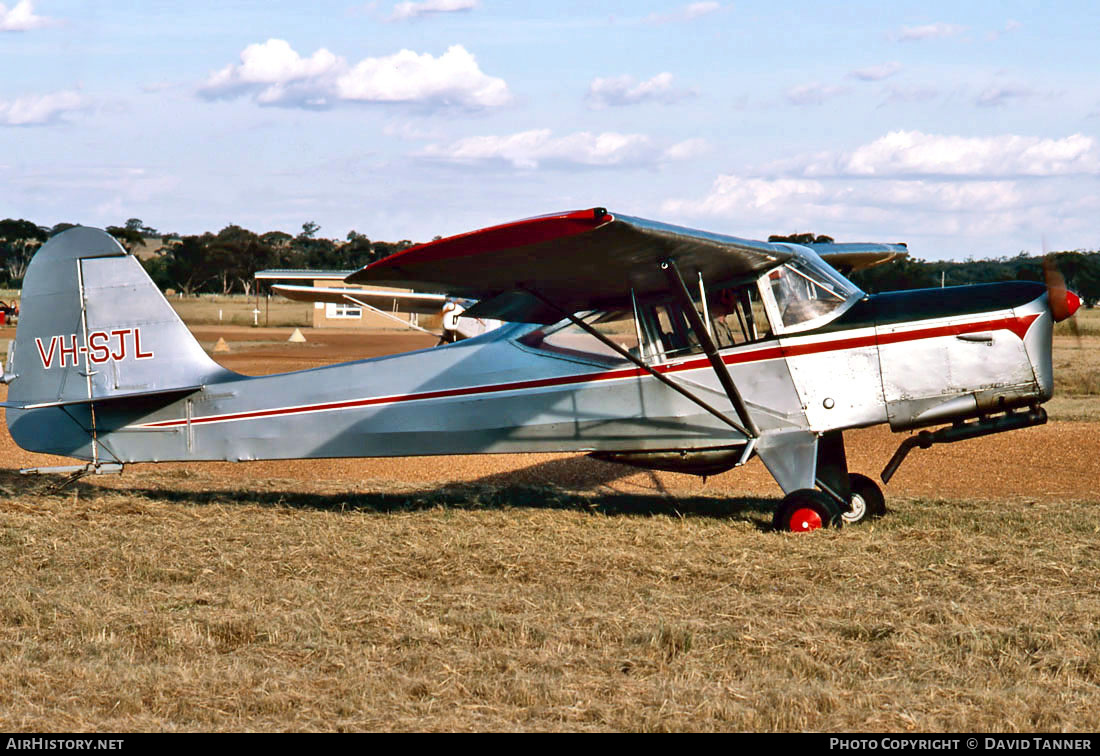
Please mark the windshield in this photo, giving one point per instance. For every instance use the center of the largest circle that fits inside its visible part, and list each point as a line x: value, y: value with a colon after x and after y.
x: 807, y: 290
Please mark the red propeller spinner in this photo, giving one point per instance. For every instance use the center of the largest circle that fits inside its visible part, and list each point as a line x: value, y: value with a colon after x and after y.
x: 1063, y: 302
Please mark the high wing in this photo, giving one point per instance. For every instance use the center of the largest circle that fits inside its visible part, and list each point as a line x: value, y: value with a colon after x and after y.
x: 578, y: 260
x: 402, y: 301
x: 856, y: 256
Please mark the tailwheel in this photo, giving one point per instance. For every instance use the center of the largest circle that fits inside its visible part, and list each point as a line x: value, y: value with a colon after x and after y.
x: 867, y: 501
x: 806, y: 509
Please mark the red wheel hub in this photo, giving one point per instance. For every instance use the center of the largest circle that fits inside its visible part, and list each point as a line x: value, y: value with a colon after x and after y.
x: 804, y: 519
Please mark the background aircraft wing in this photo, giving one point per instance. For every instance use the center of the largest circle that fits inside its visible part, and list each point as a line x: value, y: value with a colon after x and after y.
x: 402, y: 301
x: 578, y: 260
x: 857, y: 256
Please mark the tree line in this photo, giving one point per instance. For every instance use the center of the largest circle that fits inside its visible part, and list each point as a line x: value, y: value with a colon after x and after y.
x: 221, y: 263
x: 225, y: 262
x: 1080, y: 268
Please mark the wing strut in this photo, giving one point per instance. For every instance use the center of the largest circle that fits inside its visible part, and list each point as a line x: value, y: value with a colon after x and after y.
x: 628, y: 356
x: 385, y: 314
x: 676, y: 283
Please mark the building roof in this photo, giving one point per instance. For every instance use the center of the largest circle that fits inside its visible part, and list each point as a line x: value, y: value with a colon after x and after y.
x: 301, y: 274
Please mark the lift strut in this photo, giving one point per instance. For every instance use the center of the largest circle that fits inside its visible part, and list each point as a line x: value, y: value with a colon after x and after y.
x: 648, y: 369
x: 643, y: 366
x: 676, y: 282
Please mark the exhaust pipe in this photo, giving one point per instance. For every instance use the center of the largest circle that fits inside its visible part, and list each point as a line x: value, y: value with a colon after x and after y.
x: 961, y: 431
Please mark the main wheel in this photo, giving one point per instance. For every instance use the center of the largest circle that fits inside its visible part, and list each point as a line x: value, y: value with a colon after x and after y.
x: 806, y: 509
x: 868, y: 503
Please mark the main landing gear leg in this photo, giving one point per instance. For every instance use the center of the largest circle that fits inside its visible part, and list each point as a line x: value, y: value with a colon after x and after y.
x: 864, y: 497
x: 843, y: 498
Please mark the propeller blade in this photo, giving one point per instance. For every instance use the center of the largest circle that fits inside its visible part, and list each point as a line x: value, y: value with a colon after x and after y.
x: 1063, y: 302
x: 1056, y: 290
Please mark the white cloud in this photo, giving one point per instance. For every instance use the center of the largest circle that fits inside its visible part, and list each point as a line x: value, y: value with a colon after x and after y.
x: 914, y: 153
x: 37, y: 110
x: 945, y: 196
x: 937, y: 217
x: 694, y: 10
x: 273, y: 73
x: 684, y: 13
x: 896, y: 93
x: 950, y: 195
x: 876, y: 73
x: 277, y: 75
x: 813, y: 93
x: 687, y: 149
x: 938, y: 30
x: 1010, y: 26
x: 1001, y: 95
x: 733, y: 195
x: 403, y: 11
x: 453, y: 78
x: 530, y: 149
x: 21, y: 17
x: 626, y: 90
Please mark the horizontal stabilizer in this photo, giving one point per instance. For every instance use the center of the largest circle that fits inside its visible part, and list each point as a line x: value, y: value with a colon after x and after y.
x: 170, y: 393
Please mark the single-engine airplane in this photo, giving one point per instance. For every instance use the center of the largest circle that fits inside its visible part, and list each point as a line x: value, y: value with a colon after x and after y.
x: 639, y: 342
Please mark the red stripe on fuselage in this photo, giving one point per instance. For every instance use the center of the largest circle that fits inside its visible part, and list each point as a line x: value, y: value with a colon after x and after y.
x: 1017, y: 326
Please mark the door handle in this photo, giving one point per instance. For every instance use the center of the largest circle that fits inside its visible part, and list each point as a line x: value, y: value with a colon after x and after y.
x: 985, y: 337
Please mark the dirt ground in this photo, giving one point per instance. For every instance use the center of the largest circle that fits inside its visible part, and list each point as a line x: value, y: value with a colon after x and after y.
x: 1058, y: 461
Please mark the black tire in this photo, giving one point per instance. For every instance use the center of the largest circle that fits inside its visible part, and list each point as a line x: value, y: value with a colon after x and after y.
x: 868, y: 503
x: 806, y: 509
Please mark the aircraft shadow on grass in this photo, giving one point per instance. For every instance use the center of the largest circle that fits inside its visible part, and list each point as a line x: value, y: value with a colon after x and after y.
x: 499, y: 491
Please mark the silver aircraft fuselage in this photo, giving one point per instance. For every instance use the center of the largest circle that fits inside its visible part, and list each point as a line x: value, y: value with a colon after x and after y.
x: 910, y: 359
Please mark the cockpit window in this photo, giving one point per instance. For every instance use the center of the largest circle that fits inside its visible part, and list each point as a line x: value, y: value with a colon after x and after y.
x: 806, y: 292
x: 568, y: 340
x: 737, y: 316
x: 800, y: 294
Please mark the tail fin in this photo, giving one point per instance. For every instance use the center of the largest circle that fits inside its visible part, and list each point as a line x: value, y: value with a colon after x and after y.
x: 94, y: 327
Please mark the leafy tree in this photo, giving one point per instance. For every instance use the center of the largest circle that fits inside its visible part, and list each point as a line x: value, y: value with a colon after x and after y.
x: 127, y: 237
x: 385, y: 249
x: 19, y: 239
x: 234, y: 255
x: 277, y: 240
x: 357, y: 252
x: 801, y: 239
x: 136, y: 224
x: 187, y: 266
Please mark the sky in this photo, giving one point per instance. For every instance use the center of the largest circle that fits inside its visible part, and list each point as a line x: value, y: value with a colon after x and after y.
x: 963, y: 129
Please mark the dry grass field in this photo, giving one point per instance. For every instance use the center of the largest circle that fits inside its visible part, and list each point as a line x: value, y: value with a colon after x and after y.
x: 553, y: 592
x: 237, y: 309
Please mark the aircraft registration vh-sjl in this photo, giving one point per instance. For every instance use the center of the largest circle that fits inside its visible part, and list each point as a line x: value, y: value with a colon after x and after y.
x: 639, y: 342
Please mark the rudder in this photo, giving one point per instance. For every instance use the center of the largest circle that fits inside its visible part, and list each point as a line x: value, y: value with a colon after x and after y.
x: 94, y: 325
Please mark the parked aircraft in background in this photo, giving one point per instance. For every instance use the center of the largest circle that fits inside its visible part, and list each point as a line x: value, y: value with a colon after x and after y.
x: 387, y: 303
